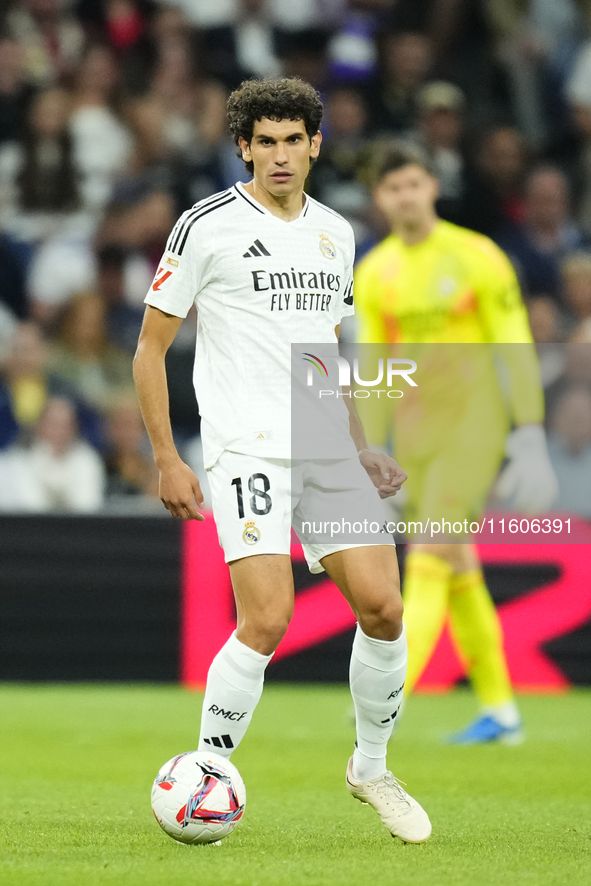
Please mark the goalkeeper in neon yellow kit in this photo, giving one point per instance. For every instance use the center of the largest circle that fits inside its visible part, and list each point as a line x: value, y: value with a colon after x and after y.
x: 433, y: 282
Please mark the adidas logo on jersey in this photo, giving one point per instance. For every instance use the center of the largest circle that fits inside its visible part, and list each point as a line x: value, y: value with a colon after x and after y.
x: 217, y: 742
x: 257, y: 249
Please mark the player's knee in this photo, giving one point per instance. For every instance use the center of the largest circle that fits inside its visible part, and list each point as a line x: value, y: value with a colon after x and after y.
x: 266, y: 633
x: 383, y: 620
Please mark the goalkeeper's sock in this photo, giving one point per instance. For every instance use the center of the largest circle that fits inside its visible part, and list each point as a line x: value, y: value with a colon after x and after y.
x: 234, y: 687
x: 426, y: 597
x: 506, y: 714
x: 376, y: 676
x: 477, y: 631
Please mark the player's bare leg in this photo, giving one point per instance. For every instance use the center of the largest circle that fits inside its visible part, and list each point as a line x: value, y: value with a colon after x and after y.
x: 263, y: 589
x: 368, y: 578
x: 264, y: 594
x: 446, y: 579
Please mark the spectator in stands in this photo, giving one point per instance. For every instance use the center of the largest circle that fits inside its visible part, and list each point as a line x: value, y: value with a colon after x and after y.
x: 152, y: 157
x: 8, y: 327
x: 26, y: 384
x: 194, y: 111
x: 169, y: 23
x: 578, y: 94
x: 239, y: 45
x: 25, y: 380
x: 352, y: 52
x: 82, y: 356
x: 51, y: 37
x: 304, y: 55
x: 255, y: 40
x: 538, y: 245
x: 582, y: 334
x: 576, y: 372
x: 120, y: 22
x: 137, y: 226
x: 406, y: 60
x: 57, y: 471
x: 62, y: 265
x: 102, y: 143
x: 15, y: 93
x: 162, y: 25
x: 569, y: 446
x: 543, y: 319
x: 13, y: 293
x: 440, y: 124
x: 334, y: 178
x: 535, y: 41
x: 139, y: 222
x: 129, y: 463
x: 38, y: 175
x: 123, y: 318
x: 576, y: 276
x: 548, y: 326
x: 493, y: 192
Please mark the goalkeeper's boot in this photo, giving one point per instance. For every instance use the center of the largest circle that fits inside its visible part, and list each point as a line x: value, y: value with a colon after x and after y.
x: 487, y: 729
x: 402, y: 815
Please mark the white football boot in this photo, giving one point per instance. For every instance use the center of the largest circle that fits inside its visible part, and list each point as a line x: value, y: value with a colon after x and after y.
x: 402, y: 815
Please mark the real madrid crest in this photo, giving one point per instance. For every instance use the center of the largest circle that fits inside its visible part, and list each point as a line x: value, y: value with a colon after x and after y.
x: 327, y: 247
x: 251, y: 533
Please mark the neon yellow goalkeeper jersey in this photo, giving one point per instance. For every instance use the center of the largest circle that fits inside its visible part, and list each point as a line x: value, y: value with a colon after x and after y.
x: 456, y: 286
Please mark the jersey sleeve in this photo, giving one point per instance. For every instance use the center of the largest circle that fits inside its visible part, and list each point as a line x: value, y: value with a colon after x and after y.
x: 370, y: 320
x: 507, y: 326
x: 345, y: 307
x: 375, y: 413
x: 501, y: 307
x: 183, y: 270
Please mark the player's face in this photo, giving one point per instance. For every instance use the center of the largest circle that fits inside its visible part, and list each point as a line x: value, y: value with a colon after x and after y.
x: 407, y: 196
x: 281, y: 151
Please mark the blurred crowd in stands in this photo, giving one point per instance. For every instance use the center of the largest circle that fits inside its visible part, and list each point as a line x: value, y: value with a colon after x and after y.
x: 112, y: 122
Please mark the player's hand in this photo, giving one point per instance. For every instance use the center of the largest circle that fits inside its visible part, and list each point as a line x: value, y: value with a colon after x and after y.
x: 528, y: 480
x: 179, y: 491
x: 385, y: 474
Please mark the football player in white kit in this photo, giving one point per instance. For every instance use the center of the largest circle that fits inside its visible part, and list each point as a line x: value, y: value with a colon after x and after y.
x: 267, y: 266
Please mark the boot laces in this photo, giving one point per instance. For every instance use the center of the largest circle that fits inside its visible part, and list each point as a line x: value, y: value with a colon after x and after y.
x: 392, y: 785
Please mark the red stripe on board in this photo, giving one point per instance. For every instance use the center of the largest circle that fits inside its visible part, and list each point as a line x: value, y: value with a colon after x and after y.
x: 208, y: 615
x: 531, y: 620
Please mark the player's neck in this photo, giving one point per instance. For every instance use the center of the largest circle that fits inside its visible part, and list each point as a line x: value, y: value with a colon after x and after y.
x: 287, y: 207
x: 416, y: 233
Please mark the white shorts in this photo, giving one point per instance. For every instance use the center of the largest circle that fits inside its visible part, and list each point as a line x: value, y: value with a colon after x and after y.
x: 257, y: 501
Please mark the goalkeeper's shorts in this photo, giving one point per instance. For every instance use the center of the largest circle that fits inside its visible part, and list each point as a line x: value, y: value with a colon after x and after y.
x: 454, y: 483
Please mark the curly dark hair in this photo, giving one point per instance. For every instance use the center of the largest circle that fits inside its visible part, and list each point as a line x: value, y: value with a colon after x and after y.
x: 285, y: 98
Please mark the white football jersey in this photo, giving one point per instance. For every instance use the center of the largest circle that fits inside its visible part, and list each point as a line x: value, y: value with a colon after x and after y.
x: 260, y: 284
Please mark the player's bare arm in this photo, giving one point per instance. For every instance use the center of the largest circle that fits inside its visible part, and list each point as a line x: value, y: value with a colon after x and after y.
x: 385, y: 473
x: 180, y: 492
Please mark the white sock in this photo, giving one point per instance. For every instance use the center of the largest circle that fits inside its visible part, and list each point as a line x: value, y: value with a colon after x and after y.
x: 234, y: 687
x: 376, y: 676
x: 506, y: 714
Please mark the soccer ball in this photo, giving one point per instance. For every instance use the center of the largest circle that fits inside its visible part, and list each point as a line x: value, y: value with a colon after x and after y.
x: 198, y: 797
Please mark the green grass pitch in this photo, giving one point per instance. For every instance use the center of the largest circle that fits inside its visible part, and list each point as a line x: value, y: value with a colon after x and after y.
x: 77, y: 764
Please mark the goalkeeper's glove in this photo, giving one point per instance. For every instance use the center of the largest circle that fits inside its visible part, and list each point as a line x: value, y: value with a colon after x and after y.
x: 529, y: 479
